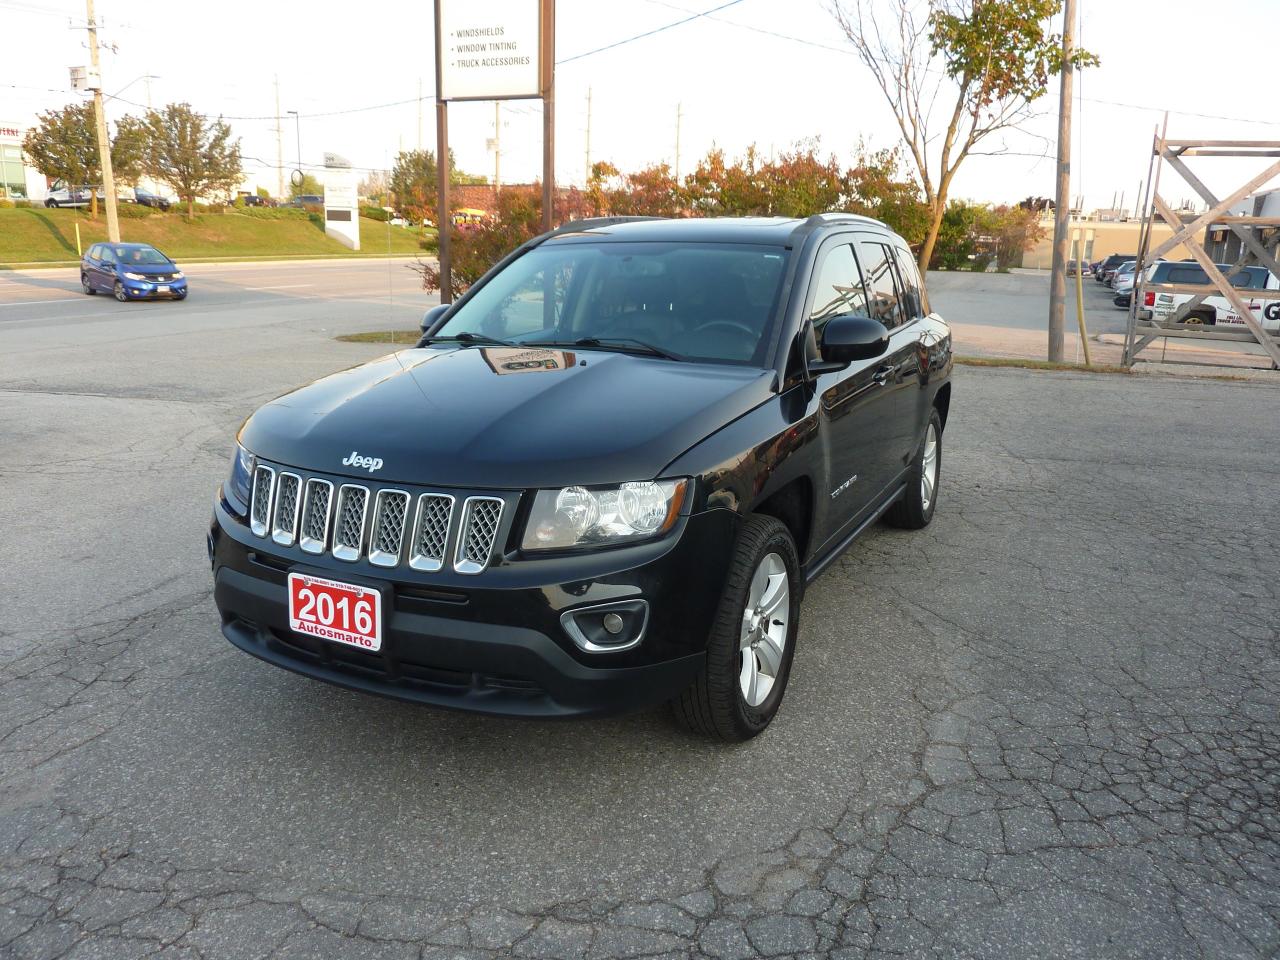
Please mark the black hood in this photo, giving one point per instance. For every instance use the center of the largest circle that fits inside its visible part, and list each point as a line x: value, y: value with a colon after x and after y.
x: 504, y: 418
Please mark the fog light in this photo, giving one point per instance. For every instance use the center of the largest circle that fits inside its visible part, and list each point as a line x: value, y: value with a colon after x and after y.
x: 607, y: 627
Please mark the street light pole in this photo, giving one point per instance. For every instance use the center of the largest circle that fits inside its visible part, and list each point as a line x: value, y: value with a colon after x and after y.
x: 298, y: 130
x: 104, y: 145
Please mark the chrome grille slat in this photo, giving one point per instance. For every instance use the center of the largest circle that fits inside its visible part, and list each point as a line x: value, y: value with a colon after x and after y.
x: 390, y: 511
x: 477, y: 533
x: 430, y: 532
x: 264, y: 482
x: 315, y: 516
x: 348, y: 522
x: 284, y: 519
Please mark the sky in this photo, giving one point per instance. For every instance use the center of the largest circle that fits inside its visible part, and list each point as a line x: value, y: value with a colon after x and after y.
x: 768, y: 72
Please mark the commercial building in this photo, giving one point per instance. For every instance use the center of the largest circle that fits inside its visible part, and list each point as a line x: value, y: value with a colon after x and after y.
x: 18, y: 180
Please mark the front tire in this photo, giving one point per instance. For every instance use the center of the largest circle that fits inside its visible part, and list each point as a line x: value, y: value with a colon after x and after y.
x: 753, y: 639
x: 118, y: 290
x: 51, y: 204
x: 915, y: 508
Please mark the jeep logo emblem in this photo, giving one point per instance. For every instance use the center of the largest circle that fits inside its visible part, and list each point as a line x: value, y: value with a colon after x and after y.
x: 364, y: 463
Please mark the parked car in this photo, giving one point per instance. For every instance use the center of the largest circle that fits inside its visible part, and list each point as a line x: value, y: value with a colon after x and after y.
x: 308, y: 201
x: 148, y: 199
x: 1076, y: 266
x: 1110, y: 264
x: 131, y: 271
x: 253, y: 200
x: 606, y: 501
x: 1124, y: 268
x: 1161, y: 306
x: 1122, y: 285
x: 63, y: 195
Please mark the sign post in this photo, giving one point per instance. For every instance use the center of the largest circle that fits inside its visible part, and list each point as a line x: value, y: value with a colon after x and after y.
x: 492, y: 50
x: 341, y: 206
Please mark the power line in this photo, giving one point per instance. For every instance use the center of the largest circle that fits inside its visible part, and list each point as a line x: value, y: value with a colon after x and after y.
x: 648, y: 33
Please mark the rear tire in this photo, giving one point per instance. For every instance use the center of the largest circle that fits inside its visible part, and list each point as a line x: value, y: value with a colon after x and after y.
x: 914, y: 509
x: 1201, y: 318
x: 752, y: 641
x: 86, y: 285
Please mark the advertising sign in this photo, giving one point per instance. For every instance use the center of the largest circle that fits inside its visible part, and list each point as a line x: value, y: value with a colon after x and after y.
x: 489, y: 49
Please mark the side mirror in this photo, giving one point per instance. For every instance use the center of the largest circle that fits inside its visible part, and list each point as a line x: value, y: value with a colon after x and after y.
x: 847, y: 338
x: 431, y: 316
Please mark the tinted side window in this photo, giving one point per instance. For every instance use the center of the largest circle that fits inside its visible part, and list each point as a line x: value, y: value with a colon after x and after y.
x: 882, y: 285
x: 912, y: 292
x: 94, y: 252
x: 108, y: 256
x: 1186, y: 275
x: 838, y: 287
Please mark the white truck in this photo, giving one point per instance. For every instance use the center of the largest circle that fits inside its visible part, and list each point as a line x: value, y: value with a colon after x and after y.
x: 1161, y: 305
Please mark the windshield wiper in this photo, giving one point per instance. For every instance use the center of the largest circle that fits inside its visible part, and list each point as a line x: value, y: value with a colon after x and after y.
x: 468, y: 337
x: 625, y: 344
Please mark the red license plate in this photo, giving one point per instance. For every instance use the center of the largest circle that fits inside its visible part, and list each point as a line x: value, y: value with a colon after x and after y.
x: 332, y: 610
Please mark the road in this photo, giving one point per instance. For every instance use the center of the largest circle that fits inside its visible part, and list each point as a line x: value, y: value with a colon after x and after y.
x: 1047, y: 726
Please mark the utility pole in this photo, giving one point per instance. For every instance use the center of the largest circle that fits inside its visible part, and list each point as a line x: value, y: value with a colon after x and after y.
x: 279, y: 146
x: 497, y: 150
x: 419, y: 114
x: 679, y: 113
x: 100, y: 121
x: 1062, y: 212
x: 587, y: 175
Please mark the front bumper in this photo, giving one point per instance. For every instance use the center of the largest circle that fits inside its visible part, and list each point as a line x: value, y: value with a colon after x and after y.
x: 492, y: 643
x: 146, y: 290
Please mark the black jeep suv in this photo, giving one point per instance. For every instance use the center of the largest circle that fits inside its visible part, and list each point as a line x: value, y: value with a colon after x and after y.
x: 601, y: 479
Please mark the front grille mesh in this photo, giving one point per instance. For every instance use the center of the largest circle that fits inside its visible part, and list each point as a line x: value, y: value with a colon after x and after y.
x: 285, y: 525
x: 388, y: 527
x: 354, y: 523
x: 480, y: 529
x: 315, y: 516
x: 260, y: 510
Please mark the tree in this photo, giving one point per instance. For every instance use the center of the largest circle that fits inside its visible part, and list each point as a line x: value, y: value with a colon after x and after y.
x: 194, y: 155
x: 64, y: 145
x: 374, y: 186
x: 414, y: 186
x: 988, y: 59
x: 309, y: 187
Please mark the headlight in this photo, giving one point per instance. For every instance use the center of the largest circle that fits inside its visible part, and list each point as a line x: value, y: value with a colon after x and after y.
x: 578, y: 517
x: 136, y: 276
x: 178, y: 275
x: 239, y: 485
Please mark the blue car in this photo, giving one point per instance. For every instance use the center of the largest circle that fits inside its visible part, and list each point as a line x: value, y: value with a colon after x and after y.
x: 131, y: 271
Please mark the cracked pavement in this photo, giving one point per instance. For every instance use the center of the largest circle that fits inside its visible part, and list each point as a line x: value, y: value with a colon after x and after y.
x: 1049, y: 725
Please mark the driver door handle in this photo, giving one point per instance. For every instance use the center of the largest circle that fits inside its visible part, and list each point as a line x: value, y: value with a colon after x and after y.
x: 884, y: 374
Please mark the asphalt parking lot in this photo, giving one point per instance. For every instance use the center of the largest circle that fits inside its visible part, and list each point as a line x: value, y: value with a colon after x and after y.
x: 1048, y: 726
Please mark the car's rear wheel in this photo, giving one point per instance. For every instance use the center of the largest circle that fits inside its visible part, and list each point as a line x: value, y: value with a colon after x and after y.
x: 86, y: 285
x: 118, y: 290
x: 914, y: 509
x: 1201, y: 318
x: 752, y: 641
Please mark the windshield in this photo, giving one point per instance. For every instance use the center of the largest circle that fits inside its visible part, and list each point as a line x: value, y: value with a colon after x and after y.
x: 709, y: 302
x: 140, y: 255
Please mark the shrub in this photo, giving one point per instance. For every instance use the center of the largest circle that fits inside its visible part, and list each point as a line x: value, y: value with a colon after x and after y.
x: 134, y: 211
x: 375, y: 213
x: 24, y: 204
x: 273, y: 213
x: 6, y: 204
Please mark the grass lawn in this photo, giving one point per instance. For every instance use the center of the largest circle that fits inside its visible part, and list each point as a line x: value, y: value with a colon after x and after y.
x: 382, y: 336
x: 40, y: 235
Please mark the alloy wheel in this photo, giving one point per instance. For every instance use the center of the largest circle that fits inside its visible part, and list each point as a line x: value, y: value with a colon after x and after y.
x: 764, y: 629
x: 119, y: 292
x: 929, y: 467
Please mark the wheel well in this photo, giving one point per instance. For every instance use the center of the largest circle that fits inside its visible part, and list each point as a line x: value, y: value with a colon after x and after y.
x: 793, y: 505
x: 942, y: 400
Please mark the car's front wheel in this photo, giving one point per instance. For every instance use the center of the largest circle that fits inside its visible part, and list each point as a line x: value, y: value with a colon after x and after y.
x: 86, y: 285
x: 51, y: 202
x: 752, y: 641
x: 118, y: 290
x: 915, y: 508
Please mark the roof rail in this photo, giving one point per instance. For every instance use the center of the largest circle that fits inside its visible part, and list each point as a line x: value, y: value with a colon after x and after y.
x: 592, y: 223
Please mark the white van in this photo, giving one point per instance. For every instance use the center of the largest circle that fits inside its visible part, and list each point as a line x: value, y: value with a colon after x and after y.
x: 1216, y: 309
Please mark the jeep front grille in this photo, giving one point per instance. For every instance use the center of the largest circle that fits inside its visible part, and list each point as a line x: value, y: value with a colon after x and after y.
x: 386, y: 527
x: 430, y: 532
x: 284, y: 524
x: 315, y: 516
x: 348, y: 525
x: 390, y: 509
x: 264, y: 480
x: 480, y: 518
